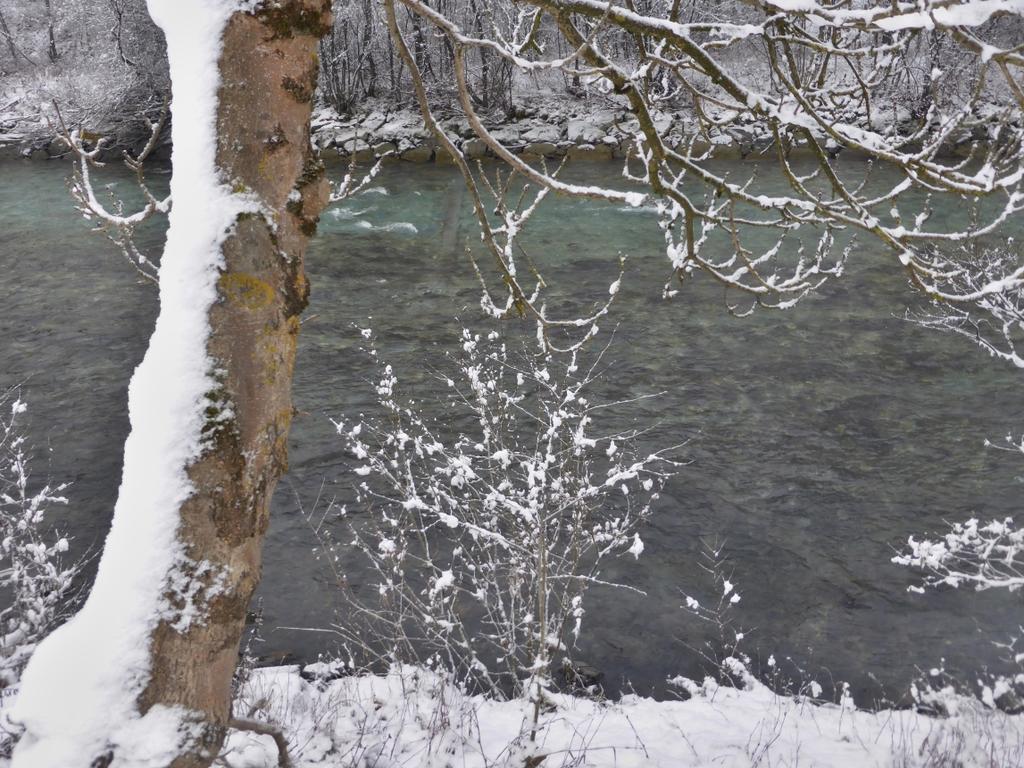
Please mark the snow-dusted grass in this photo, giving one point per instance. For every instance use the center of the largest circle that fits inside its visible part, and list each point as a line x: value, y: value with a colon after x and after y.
x: 410, y: 717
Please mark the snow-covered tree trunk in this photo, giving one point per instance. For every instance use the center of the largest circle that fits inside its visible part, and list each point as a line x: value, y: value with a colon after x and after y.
x: 141, y: 676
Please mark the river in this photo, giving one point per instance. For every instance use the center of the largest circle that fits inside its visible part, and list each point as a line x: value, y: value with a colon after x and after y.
x: 819, y: 437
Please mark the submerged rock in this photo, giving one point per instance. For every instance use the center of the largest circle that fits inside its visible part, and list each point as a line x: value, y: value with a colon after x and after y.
x: 591, y: 152
x: 543, y: 149
x: 420, y: 154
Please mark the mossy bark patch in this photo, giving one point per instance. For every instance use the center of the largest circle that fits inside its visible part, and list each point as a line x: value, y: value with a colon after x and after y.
x: 292, y: 19
x: 245, y: 290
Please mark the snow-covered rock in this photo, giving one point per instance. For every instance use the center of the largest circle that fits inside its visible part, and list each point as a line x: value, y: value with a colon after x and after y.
x: 583, y: 132
x: 543, y: 133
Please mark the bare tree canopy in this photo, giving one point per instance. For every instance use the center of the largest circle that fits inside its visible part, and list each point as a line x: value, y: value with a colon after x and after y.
x: 817, y: 83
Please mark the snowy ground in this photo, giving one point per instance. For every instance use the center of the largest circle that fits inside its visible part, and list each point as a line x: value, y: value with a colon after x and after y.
x: 410, y: 719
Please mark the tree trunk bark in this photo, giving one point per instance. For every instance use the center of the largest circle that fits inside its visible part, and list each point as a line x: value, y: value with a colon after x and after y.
x: 142, y: 674
x: 6, y: 33
x: 268, y: 73
x: 52, y: 49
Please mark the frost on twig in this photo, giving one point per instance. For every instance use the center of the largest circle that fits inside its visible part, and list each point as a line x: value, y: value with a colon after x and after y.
x: 987, y: 555
x: 352, y: 183
x: 722, y: 653
x: 725, y: 655
x: 995, y: 321
x: 484, y: 533
x: 976, y: 553
x: 34, y: 575
x: 117, y: 224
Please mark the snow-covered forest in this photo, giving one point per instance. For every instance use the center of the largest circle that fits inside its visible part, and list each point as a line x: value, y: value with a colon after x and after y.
x: 511, y: 383
x: 104, y: 63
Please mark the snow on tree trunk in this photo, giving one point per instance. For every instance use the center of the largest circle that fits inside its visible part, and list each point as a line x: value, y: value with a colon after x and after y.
x: 141, y: 676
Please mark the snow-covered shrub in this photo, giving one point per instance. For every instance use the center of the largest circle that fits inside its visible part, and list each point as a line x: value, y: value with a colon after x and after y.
x: 34, y: 578
x: 977, y: 553
x: 725, y: 654
x: 485, y: 532
x: 983, y: 555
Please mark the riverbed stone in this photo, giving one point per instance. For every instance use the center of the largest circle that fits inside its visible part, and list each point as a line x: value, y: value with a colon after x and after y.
x: 590, y: 152
x: 663, y: 121
x: 542, y: 134
x: 580, y: 677
x: 509, y: 135
x: 622, y: 149
x: 373, y: 121
x: 358, y: 147
x: 606, y: 118
x: 583, y: 132
x: 460, y: 127
x: 57, y: 148
x: 443, y: 157
x: 399, y: 127
x: 420, y: 154
x: 474, y: 148
x: 542, y: 149
x: 345, y: 139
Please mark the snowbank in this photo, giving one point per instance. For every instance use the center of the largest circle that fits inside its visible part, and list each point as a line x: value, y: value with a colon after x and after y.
x: 410, y: 718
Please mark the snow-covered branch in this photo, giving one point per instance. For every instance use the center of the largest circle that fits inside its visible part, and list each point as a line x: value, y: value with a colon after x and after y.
x: 118, y: 225
x: 980, y: 555
x: 995, y: 320
x: 823, y: 83
x: 484, y: 535
x: 33, y: 570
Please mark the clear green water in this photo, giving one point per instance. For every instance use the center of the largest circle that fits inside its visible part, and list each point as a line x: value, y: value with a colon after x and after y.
x: 822, y: 436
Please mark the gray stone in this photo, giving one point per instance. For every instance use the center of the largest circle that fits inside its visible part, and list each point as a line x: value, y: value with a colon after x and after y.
x: 474, y: 148
x: 361, y: 149
x: 345, y: 140
x: 421, y: 154
x: 373, y: 121
x: 662, y: 122
x: 580, y: 677
x: 57, y: 148
x: 542, y: 134
x: 460, y: 127
x: 395, y: 128
x: 509, y: 135
x: 602, y: 118
x: 583, y: 132
x: 590, y: 152
x: 442, y: 157
x: 542, y: 149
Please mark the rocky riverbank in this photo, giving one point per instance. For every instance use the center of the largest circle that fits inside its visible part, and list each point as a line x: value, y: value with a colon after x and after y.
x: 598, y: 130
x: 540, y: 129
x: 543, y: 127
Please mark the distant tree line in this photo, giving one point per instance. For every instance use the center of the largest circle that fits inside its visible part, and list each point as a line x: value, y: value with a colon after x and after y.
x: 104, y: 61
